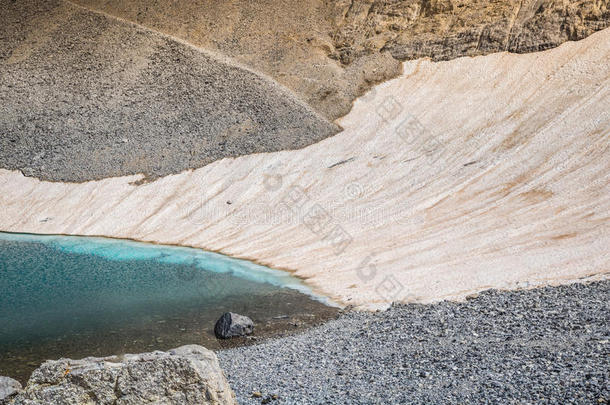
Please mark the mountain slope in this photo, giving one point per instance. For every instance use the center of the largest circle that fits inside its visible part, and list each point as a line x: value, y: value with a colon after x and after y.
x: 85, y: 96
x: 331, y: 51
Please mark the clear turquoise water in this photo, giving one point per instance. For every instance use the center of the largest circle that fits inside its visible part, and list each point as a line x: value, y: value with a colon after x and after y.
x: 80, y: 296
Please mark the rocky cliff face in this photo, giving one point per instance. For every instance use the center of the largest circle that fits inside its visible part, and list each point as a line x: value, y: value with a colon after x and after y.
x: 447, y: 29
x: 330, y: 52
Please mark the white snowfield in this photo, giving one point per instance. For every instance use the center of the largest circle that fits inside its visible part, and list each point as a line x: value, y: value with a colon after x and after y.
x: 458, y: 176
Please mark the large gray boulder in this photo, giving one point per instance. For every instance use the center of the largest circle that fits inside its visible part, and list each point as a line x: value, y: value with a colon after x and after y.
x: 231, y: 325
x: 8, y: 387
x: 186, y: 375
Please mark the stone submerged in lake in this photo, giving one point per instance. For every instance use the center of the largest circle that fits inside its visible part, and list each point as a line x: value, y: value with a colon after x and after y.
x: 231, y: 325
x: 8, y: 387
x: 186, y: 375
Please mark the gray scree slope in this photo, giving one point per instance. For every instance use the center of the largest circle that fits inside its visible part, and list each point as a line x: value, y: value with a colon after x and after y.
x: 547, y: 345
x: 84, y: 96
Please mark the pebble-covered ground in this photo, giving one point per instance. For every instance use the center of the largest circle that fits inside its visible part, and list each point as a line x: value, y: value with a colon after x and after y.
x: 549, y: 345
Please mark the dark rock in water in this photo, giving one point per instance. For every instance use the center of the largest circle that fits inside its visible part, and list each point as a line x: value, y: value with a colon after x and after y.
x: 186, y: 375
x: 8, y: 387
x: 231, y: 325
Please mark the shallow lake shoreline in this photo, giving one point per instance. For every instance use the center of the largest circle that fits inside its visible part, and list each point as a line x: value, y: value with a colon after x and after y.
x: 541, y: 345
x: 76, y: 297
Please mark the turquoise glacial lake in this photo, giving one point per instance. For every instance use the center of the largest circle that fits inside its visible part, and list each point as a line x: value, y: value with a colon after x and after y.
x: 68, y: 296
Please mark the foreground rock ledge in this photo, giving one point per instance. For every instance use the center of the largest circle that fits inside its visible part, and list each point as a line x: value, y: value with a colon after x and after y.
x: 186, y: 375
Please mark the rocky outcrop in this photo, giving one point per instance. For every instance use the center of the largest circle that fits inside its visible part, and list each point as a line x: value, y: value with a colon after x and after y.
x: 330, y: 52
x: 233, y: 325
x: 186, y: 375
x: 447, y: 29
x: 8, y: 388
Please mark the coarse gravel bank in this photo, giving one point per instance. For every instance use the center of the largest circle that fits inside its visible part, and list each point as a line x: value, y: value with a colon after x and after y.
x: 548, y: 345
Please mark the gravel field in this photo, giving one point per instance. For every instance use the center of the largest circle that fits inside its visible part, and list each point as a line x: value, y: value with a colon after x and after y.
x: 548, y: 345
